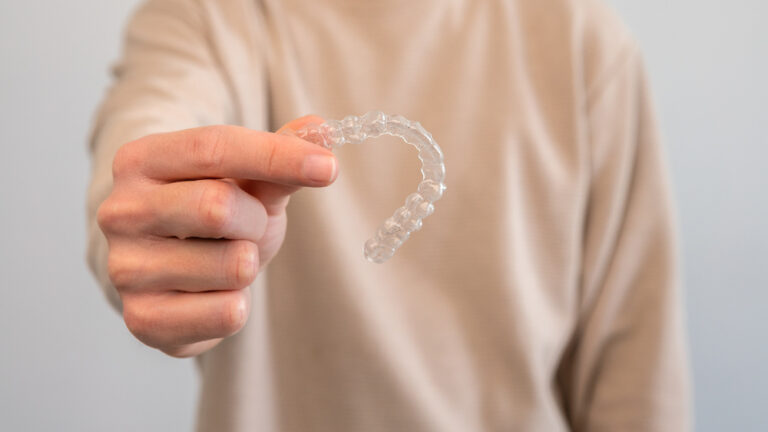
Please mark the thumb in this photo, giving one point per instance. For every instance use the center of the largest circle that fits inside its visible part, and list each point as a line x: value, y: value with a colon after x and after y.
x: 275, y: 196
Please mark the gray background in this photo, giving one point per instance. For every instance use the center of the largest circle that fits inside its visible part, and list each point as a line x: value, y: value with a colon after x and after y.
x: 67, y: 363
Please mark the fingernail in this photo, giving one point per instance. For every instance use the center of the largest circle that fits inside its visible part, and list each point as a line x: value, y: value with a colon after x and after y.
x: 247, y: 266
x: 319, y: 168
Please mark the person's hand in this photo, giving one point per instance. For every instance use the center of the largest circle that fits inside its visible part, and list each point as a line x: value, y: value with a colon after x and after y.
x: 191, y: 219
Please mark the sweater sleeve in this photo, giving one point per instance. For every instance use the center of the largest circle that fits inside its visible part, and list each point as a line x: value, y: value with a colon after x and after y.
x: 167, y: 79
x: 628, y: 367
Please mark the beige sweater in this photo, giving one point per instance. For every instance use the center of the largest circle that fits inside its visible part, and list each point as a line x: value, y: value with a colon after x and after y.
x: 542, y: 295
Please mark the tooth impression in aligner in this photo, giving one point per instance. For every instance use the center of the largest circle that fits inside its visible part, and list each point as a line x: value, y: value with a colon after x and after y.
x: 406, y: 219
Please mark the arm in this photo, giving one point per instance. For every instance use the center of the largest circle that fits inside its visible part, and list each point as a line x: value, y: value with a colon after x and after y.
x: 627, y: 368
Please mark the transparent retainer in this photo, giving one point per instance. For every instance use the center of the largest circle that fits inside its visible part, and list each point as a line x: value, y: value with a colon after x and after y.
x: 405, y: 220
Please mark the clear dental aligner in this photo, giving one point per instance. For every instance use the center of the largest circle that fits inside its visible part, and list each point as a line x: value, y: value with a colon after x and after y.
x: 354, y: 130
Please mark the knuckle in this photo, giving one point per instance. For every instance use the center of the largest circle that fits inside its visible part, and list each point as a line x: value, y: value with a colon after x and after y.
x: 136, y: 321
x: 119, y: 271
x: 125, y: 269
x: 120, y: 214
x: 208, y: 147
x: 270, y: 163
x: 107, y: 215
x: 126, y: 161
x: 242, y: 264
x: 217, y: 206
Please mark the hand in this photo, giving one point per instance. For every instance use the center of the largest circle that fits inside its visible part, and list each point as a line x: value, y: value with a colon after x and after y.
x: 191, y: 219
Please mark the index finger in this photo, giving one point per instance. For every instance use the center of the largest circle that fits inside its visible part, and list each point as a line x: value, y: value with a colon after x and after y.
x: 235, y: 152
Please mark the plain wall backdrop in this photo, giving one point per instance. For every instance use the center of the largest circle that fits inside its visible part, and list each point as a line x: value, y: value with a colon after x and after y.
x: 67, y: 363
